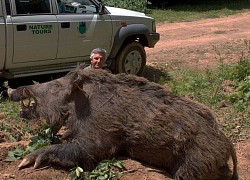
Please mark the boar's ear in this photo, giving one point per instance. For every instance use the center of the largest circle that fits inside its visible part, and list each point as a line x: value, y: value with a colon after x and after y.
x: 26, y: 93
x: 77, y: 82
x: 80, y: 76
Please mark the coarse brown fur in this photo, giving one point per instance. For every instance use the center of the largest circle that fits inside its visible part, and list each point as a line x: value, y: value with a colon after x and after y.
x: 111, y: 115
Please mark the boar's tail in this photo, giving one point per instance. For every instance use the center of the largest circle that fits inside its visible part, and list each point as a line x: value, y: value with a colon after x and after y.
x: 234, y: 158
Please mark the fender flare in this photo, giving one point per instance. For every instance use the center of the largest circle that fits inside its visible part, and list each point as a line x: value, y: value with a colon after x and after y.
x: 123, y: 33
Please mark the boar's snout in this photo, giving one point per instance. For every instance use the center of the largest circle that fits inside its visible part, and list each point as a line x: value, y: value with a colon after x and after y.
x: 10, y: 93
x: 17, y: 94
x: 28, y: 109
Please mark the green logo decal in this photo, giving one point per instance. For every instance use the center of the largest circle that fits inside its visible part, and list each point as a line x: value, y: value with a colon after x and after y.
x: 82, y: 27
x: 40, y: 29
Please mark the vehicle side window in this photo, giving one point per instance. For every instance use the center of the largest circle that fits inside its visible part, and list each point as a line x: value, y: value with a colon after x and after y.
x: 7, y: 5
x: 32, y: 6
x: 76, y: 6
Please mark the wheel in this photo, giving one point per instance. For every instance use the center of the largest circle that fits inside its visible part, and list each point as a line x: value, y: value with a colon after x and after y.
x: 131, y: 59
x: 3, y: 89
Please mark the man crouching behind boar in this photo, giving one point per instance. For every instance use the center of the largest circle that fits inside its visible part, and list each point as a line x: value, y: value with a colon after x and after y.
x: 123, y: 114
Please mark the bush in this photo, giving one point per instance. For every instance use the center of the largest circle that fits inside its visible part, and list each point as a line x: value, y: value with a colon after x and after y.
x: 239, y: 76
x: 106, y: 170
x: 168, y: 3
x: 241, y: 97
x: 239, y: 71
x: 138, y: 5
x: 42, y: 139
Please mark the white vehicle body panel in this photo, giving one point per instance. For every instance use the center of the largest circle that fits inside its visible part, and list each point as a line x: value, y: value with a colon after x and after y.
x: 37, y: 41
x: 84, y: 33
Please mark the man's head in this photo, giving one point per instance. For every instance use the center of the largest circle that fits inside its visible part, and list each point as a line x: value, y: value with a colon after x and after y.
x: 97, y: 58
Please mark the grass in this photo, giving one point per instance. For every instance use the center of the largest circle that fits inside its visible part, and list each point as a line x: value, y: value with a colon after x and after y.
x: 209, y: 86
x: 14, y: 128
x: 10, y: 108
x: 198, y: 84
x: 202, y: 11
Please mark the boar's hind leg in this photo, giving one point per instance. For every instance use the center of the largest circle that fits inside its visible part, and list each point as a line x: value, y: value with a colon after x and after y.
x: 193, y: 168
x: 63, y: 154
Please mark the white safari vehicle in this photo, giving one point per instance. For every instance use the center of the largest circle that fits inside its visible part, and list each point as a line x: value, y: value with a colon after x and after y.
x: 50, y: 36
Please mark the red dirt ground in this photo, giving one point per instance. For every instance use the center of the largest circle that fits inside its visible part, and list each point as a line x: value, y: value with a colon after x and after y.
x: 200, y: 44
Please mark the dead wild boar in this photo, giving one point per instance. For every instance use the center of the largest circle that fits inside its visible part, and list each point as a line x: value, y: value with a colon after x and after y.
x: 112, y: 115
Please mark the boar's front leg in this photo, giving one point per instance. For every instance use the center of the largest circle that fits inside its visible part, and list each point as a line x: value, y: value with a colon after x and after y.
x: 70, y: 155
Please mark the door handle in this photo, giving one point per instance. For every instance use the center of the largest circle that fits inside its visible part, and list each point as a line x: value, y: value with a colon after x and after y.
x: 21, y: 27
x: 65, y: 25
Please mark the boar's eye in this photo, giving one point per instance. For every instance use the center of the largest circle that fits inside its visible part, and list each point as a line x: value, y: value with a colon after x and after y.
x: 55, y: 87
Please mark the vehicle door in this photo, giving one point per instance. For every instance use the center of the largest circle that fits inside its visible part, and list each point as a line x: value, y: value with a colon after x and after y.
x: 2, y: 37
x: 35, y: 31
x: 81, y: 29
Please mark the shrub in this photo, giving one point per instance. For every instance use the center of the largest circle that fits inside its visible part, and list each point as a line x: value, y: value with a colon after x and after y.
x: 42, y: 139
x: 168, y: 3
x: 239, y: 75
x: 106, y: 170
x: 241, y: 97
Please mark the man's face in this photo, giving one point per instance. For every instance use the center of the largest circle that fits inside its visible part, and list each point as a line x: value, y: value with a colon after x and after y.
x: 97, y: 60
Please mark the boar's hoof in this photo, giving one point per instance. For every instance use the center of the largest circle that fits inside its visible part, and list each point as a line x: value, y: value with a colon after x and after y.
x: 31, y: 158
x: 49, y: 154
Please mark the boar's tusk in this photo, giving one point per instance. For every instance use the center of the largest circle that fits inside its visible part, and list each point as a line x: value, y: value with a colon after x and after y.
x: 22, y: 104
x: 29, y: 103
x: 35, y: 104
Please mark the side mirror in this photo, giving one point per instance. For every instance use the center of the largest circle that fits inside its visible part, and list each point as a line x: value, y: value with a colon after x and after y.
x: 100, y: 8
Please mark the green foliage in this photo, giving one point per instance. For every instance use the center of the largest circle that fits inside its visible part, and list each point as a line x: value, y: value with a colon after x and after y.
x: 241, y: 97
x: 14, y: 155
x: 202, y: 86
x: 239, y: 75
x: 106, y: 170
x: 4, y: 127
x: 36, y: 142
x: 138, y: 5
x: 239, y: 71
x: 10, y: 108
x: 168, y: 3
x: 180, y: 13
x: 207, y: 86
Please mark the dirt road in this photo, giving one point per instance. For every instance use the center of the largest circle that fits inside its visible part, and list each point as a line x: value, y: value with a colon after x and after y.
x: 201, y: 43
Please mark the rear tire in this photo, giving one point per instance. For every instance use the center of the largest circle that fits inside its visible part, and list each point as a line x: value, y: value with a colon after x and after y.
x: 131, y: 59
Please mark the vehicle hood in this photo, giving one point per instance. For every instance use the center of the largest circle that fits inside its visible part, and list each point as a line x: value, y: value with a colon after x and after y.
x: 120, y: 11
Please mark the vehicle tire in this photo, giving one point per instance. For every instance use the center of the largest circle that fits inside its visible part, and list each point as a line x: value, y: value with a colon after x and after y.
x: 3, y: 89
x: 131, y: 59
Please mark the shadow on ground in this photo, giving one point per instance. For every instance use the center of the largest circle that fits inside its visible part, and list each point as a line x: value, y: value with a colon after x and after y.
x: 155, y: 75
